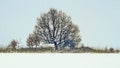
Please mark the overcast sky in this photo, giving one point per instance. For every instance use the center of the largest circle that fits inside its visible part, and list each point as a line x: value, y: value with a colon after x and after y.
x: 98, y: 20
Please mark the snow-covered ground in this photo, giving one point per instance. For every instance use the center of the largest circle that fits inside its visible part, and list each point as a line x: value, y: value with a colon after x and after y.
x: 58, y: 60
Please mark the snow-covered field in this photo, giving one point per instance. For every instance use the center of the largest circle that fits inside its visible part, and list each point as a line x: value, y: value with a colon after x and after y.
x: 58, y: 60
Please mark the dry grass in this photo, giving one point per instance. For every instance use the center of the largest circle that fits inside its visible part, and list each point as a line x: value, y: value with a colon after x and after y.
x: 51, y: 50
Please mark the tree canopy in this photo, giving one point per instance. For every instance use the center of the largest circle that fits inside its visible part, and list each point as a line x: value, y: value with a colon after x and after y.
x: 55, y: 27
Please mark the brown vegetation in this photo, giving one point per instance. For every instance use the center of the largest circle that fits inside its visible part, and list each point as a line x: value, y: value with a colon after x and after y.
x: 52, y: 50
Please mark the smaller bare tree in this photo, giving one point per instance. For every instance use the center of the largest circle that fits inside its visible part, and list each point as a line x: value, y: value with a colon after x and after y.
x: 32, y: 41
x: 13, y: 44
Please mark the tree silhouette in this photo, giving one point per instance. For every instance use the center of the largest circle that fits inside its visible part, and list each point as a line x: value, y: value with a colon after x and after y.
x: 32, y: 41
x: 55, y: 27
x: 13, y: 44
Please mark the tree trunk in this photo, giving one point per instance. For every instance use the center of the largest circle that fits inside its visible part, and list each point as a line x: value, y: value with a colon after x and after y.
x: 56, y: 47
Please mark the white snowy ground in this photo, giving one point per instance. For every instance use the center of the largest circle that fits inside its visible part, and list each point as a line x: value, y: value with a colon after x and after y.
x: 58, y: 60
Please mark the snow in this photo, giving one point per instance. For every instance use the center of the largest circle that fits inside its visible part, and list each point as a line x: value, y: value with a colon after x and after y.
x: 59, y: 60
x: 47, y: 45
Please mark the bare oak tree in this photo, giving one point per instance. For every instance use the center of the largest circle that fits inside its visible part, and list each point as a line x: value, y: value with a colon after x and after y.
x: 55, y: 27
